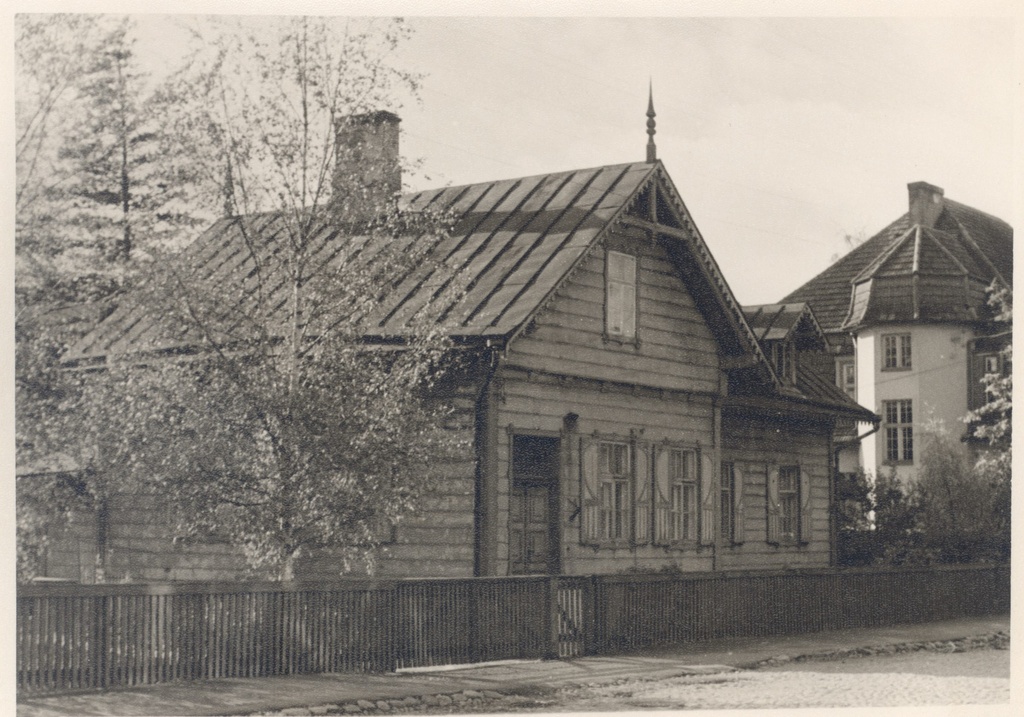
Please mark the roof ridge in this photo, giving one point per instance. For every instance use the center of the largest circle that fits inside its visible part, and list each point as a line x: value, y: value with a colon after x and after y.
x: 882, y: 259
x: 597, y: 168
x: 935, y: 240
x: 977, y: 248
x: 953, y: 204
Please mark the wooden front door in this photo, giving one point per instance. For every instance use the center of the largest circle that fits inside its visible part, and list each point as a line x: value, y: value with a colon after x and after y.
x: 533, y: 506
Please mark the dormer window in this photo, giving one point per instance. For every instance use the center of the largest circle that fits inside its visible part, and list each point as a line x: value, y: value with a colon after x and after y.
x: 783, y: 361
x: 620, y: 295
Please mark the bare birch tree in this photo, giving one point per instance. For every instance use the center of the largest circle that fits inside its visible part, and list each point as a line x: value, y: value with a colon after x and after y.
x: 273, y: 424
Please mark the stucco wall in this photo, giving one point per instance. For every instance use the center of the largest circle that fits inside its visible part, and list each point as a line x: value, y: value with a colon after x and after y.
x: 936, y: 383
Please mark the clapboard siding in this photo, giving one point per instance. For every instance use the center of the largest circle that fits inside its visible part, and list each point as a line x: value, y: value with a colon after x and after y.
x: 436, y: 540
x: 676, y: 350
x: 755, y: 442
x: 534, y: 403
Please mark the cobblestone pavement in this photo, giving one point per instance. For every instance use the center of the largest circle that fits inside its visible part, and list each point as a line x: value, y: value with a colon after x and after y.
x: 974, y: 671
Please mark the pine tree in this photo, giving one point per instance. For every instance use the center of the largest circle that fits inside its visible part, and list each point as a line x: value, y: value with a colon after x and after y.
x: 126, y: 205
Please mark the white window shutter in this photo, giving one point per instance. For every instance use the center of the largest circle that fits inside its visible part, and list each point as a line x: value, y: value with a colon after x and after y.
x: 642, y: 494
x: 614, y: 309
x: 707, y: 499
x: 805, y: 506
x: 629, y: 310
x: 590, y: 494
x: 738, y: 503
x: 662, y: 493
x: 773, y: 504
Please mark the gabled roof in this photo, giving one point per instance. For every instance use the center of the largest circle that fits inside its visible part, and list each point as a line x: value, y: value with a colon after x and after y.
x: 963, y: 242
x: 778, y: 322
x: 513, y: 239
x: 513, y: 243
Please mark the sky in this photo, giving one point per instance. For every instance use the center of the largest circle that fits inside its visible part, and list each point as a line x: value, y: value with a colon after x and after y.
x: 783, y: 135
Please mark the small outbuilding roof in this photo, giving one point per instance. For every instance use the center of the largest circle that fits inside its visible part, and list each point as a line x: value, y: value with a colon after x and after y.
x: 778, y: 322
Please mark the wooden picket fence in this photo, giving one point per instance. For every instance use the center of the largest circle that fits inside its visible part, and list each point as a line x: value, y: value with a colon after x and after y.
x: 82, y: 637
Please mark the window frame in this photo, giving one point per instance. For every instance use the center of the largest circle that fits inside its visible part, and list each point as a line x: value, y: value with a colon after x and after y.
x: 677, y: 523
x: 789, y: 497
x: 616, y: 307
x: 898, y: 431
x: 799, y: 517
x: 986, y: 371
x: 619, y: 513
x: 599, y: 503
x: 843, y: 365
x: 783, y: 356
x: 899, y: 348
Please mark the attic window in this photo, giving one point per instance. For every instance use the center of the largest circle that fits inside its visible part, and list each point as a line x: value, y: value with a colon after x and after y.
x: 782, y: 360
x: 620, y: 295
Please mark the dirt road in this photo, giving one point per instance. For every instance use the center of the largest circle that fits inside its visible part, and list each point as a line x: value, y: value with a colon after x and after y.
x: 917, y: 678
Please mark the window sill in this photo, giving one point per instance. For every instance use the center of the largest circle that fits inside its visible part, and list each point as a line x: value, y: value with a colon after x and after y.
x: 631, y: 341
x: 896, y: 369
x: 610, y: 544
x: 898, y: 463
x: 679, y: 545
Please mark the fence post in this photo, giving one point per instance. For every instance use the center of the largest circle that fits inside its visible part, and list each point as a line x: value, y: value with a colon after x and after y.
x: 551, y: 650
x: 102, y: 641
x: 599, y: 612
x: 473, y: 622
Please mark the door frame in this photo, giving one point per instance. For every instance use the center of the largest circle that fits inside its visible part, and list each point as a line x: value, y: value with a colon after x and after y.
x: 554, y: 561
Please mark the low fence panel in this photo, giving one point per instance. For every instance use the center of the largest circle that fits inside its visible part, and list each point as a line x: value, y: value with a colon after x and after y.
x: 74, y: 637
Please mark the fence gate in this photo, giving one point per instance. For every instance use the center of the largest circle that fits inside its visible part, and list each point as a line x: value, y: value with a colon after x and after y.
x: 572, y: 594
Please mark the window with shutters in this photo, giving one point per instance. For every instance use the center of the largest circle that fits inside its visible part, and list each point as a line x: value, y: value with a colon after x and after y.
x: 620, y: 295
x: 616, y: 492
x: 683, y: 514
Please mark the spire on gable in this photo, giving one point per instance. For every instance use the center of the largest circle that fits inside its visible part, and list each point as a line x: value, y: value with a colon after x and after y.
x: 652, y: 154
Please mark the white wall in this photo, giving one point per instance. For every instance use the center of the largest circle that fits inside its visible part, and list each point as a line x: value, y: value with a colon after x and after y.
x: 936, y: 383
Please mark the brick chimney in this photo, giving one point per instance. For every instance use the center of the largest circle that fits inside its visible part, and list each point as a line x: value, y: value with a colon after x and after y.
x: 925, y: 203
x: 367, y: 174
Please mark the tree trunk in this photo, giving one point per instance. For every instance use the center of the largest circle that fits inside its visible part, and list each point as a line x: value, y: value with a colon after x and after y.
x: 288, y: 568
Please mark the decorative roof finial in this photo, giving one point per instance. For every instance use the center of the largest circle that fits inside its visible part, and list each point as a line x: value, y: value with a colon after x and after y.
x: 652, y: 153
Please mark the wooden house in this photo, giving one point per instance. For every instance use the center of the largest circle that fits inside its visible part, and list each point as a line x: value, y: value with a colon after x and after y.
x: 625, y: 412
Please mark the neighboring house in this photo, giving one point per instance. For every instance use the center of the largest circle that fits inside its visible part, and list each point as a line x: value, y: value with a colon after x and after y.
x: 908, y: 323
x: 624, y: 411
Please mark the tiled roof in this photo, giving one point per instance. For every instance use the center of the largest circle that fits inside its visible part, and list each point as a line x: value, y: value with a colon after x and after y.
x: 925, y: 275
x: 823, y: 391
x: 964, y: 241
x: 513, y: 241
